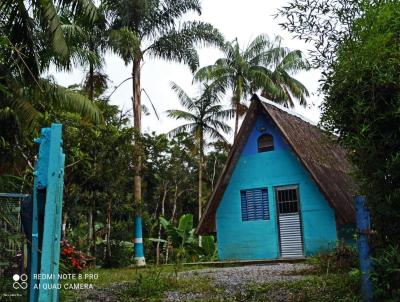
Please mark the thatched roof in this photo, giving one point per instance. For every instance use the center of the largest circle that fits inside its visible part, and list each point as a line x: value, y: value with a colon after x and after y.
x: 317, y: 150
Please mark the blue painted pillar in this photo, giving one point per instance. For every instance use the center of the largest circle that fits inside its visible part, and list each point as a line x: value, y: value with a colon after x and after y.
x: 363, y: 228
x: 139, y: 254
x: 46, y: 215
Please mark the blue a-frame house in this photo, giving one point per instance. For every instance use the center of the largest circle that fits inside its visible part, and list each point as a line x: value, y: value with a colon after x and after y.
x: 285, y: 191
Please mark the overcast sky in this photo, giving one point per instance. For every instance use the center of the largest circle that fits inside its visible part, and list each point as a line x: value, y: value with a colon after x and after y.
x: 235, y: 19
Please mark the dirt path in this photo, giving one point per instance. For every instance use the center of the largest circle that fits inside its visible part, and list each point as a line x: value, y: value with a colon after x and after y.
x: 230, y: 281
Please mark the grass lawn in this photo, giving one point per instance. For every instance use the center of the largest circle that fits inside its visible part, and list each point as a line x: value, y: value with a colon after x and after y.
x: 315, y: 288
x: 146, y: 284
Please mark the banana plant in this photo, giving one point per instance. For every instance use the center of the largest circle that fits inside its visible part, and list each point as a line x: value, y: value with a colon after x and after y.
x: 184, y: 241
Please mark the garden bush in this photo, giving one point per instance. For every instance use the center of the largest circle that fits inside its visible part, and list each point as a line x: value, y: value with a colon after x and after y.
x: 386, y: 274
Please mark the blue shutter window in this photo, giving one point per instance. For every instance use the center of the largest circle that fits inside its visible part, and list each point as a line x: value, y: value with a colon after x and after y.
x: 255, y: 204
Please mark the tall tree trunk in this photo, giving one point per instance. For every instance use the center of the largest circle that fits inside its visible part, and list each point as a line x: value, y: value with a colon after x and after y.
x: 200, y: 180
x: 91, y: 83
x: 174, y: 203
x: 109, y: 209
x: 236, y: 121
x: 214, y: 172
x: 165, y: 190
x: 90, y: 214
x: 236, y: 98
x: 90, y: 228
x: 136, y: 100
x: 94, y: 247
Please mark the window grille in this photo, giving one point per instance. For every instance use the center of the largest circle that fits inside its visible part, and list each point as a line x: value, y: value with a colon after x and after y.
x: 288, y: 200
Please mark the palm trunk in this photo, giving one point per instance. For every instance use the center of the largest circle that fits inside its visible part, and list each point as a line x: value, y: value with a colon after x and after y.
x: 200, y: 180
x: 236, y: 99
x: 136, y: 100
x: 236, y: 121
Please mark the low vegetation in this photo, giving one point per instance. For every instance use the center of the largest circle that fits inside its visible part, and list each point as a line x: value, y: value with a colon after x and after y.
x: 328, y: 277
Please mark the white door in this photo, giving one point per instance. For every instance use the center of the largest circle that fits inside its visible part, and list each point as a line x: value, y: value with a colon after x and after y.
x: 289, y: 222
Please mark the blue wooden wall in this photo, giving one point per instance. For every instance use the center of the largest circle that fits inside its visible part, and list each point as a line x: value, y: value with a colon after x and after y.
x: 259, y: 239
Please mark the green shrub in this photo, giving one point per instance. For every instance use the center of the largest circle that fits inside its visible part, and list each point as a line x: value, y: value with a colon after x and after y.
x: 121, y: 254
x: 386, y: 274
x: 342, y: 259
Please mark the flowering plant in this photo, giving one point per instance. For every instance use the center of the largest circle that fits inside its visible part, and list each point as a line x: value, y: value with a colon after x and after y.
x: 72, y: 258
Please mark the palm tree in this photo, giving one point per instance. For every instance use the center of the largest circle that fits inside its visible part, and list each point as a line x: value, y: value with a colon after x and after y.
x: 289, y: 63
x: 246, y: 71
x: 153, y: 28
x: 88, y: 44
x: 32, y: 38
x: 205, y: 116
x: 35, y: 28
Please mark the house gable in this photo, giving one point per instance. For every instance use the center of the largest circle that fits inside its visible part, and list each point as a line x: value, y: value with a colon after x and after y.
x: 321, y: 156
x: 263, y: 125
x: 258, y: 239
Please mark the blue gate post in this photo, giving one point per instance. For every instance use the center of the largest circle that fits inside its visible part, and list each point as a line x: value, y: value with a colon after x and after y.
x: 363, y: 229
x: 47, y: 200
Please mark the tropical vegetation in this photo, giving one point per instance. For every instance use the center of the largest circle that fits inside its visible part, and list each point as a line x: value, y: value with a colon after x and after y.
x: 205, y: 116
x: 361, y: 105
x: 153, y: 28
x: 264, y: 65
x: 115, y: 172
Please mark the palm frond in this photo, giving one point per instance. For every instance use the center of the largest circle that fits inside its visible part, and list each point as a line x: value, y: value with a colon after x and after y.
x: 86, y: 8
x: 179, y: 44
x: 124, y: 42
x: 162, y: 18
x: 293, y: 62
x: 297, y: 89
x: 214, y: 134
x: 223, y: 114
x: 184, y: 99
x: 180, y: 114
x: 69, y: 100
x: 257, y: 46
x: 50, y: 20
x: 204, y: 73
x: 187, y: 128
x: 25, y: 114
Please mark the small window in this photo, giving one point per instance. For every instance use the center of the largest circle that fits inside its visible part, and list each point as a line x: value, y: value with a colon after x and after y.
x: 265, y: 143
x: 288, y: 200
x: 255, y: 205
